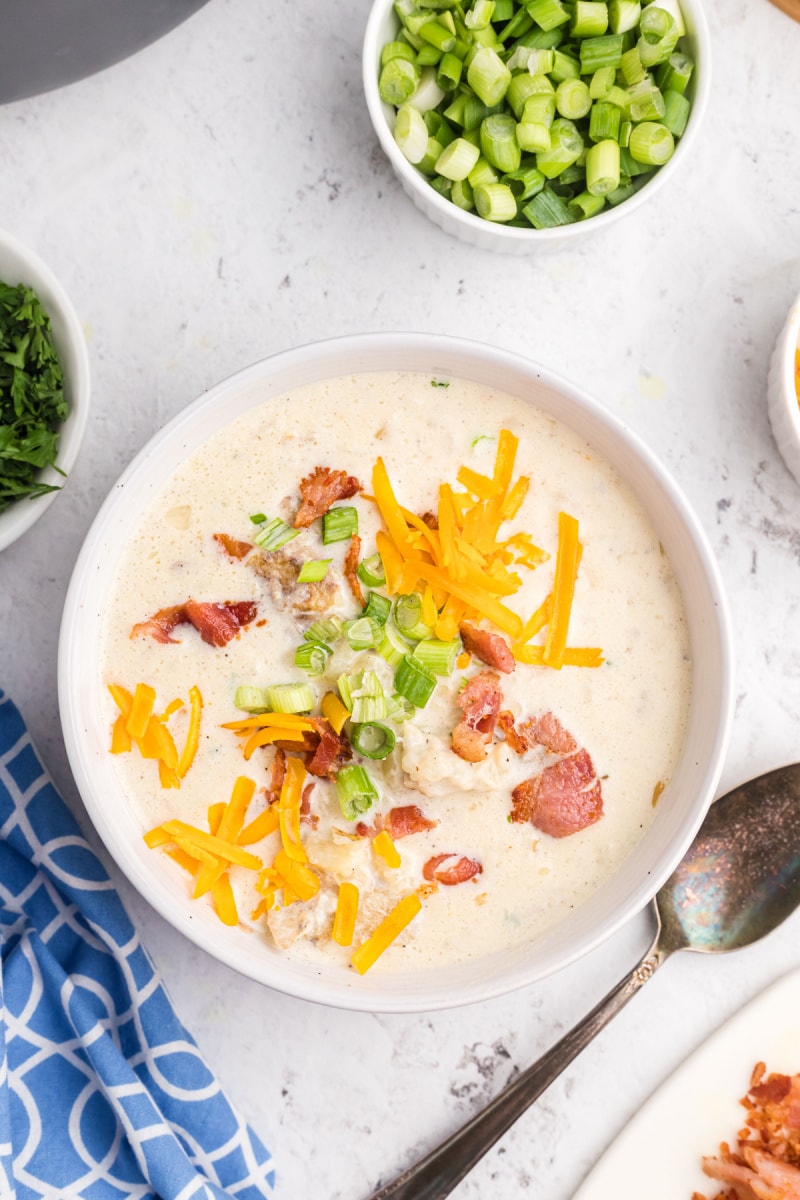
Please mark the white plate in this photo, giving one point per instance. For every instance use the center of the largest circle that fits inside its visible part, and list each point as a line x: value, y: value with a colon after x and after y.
x: 658, y: 1154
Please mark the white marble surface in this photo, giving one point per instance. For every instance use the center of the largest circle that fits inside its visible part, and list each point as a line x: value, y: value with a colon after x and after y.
x: 221, y: 196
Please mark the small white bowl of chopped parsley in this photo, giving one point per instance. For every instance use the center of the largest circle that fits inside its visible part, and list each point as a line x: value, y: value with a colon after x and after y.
x: 516, y: 125
x: 44, y: 387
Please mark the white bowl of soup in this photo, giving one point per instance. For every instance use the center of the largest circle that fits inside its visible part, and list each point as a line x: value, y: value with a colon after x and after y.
x: 395, y: 672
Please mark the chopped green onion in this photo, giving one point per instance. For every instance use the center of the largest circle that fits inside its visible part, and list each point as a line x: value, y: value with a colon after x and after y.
x: 624, y: 135
x: 499, y: 143
x: 372, y: 739
x: 572, y: 99
x: 586, y: 205
x: 629, y: 166
x: 482, y: 173
x: 651, y: 143
x: 448, y: 75
x: 675, y: 73
x: 623, y: 15
x: 548, y: 14
x: 658, y: 35
x: 604, y: 121
x: 461, y: 194
x: 411, y: 133
x: 457, y: 160
x: 369, y: 708
x: 290, y: 698
x: 565, y: 66
x: 428, y: 93
x: 377, y: 608
x: 495, y: 202
x: 407, y: 615
x: 632, y: 67
x: 533, y: 139
x: 363, y: 634
x: 414, y: 681
x: 488, y: 76
x: 438, y: 656
x: 623, y: 192
x: 547, y: 210
x: 274, y: 534
x: 258, y: 518
x: 647, y: 102
x: 392, y: 645
x: 476, y: 111
x: 525, y: 182
x: 339, y: 524
x: 252, y: 699
x: 400, y: 709
x: 326, y: 630
x: 398, y: 81
x: 619, y: 97
x: 503, y: 10
x: 522, y: 87
x: 602, y: 82
x: 314, y: 570
x: 456, y: 110
x: 597, y: 52
x: 312, y: 657
x: 371, y: 571
x: 536, y: 60
x: 428, y: 56
x: 676, y: 112
x: 397, y: 50
x: 589, y: 19
x: 355, y: 791
x: 566, y: 146
x: 602, y: 167
x: 480, y: 15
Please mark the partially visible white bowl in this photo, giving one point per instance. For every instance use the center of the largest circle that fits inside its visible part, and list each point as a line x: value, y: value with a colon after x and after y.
x: 382, y: 27
x: 679, y: 814
x: 783, y: 403
x: 18, y: 265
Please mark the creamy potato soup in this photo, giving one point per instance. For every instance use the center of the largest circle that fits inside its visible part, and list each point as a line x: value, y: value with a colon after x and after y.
x: 453, y: 772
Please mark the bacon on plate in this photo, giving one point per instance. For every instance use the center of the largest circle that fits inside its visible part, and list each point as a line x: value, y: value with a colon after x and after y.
x: 563, y: 799
x: 351, y: 568
x: 319, y: 490
x: 399, y: 823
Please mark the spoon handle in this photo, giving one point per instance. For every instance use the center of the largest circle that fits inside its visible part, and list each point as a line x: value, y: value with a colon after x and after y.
x: 435, y: 1176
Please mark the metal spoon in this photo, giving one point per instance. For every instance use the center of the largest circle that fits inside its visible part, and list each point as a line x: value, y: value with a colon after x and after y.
x: 739, y: 880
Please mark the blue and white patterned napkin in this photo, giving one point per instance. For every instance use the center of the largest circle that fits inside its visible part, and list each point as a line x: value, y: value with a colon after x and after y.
x: 103, y: 1093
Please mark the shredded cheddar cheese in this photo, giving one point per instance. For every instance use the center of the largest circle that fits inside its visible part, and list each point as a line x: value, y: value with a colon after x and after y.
x: 385, y: 848
x: 387, y: 932
x: 138, y: 725
x: 344, y: 921
x: 464, y: 568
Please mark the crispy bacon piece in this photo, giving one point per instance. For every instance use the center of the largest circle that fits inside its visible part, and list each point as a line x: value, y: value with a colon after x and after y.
x: 459, y: 870
x: 480, y: 699
x: 399, y: 823
x: 565, y: 798
x: 277, y: 774
x: 331, y: 751
x: 351, y: 568
x: 545, y: 731
x: 161, y: 624
x: 306, y: 815
x: 322, y: 488
x: 232, y: 547
x: 407, y: 819
x: 489, y: 647
x: 216, y: 623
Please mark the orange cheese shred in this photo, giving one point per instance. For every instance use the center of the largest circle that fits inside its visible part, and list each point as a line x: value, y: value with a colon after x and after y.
x: 344, y: 920
x: 334, y: 712
x: 289, y: 810
x: 567, y: 560
x: 387, y: 932
x: 260, y: 827
x: 302, y: 880
x: 141, y: 710
x: 193, y: 733
x: 224, y: 901
x: 385, y: 848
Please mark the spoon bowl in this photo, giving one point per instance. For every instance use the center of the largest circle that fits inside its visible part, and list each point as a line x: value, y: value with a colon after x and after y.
x: 739, y: 880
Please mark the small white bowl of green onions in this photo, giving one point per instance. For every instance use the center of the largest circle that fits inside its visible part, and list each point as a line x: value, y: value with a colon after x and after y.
x: 44, y: 387
x: 515, y: 125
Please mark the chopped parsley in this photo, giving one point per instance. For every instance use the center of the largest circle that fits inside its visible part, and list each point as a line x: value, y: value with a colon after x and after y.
x: 32, y: 403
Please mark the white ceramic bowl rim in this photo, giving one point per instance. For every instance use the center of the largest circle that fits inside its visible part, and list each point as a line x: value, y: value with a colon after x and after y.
x: 18, y: 264
x: 676, y: 822
x: 450, y: 214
